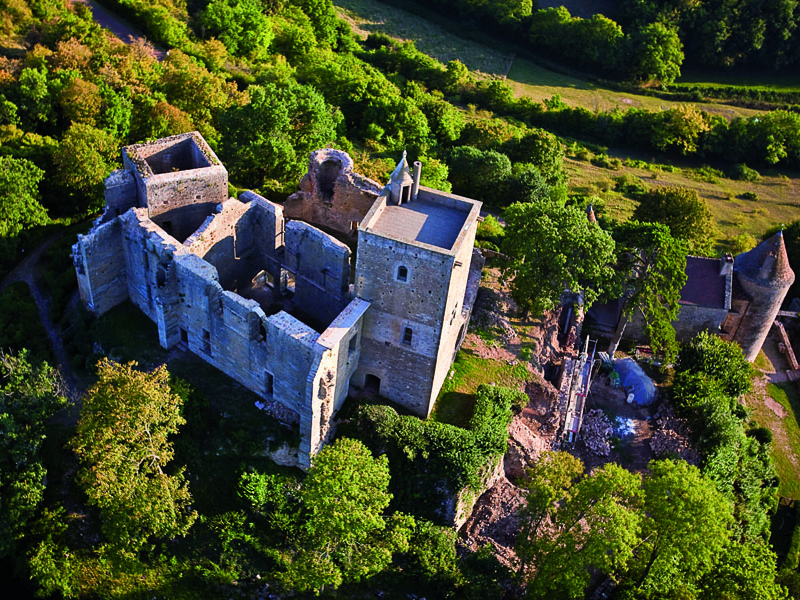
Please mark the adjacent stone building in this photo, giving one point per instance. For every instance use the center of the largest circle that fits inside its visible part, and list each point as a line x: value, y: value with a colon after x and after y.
x: 275, y: 303
x: 737, y: 298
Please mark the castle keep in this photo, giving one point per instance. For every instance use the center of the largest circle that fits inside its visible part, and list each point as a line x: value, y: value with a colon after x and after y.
x: 275, y: 302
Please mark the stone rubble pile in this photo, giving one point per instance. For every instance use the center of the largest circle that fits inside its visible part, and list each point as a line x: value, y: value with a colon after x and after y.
x: 596, y: 432
x: 671, y: 437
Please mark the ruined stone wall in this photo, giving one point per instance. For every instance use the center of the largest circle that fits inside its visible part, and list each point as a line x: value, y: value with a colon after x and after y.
x: 331, y: 195
x: 321, y: 267
x: 120, y: 193
x: 99, y: 260
x: 148, y: 254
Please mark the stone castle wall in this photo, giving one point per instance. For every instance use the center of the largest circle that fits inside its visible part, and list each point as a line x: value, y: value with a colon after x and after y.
x: 269, y: 301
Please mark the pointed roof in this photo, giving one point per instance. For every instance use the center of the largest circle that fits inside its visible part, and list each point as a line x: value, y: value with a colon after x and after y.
x: 767, y: 263
x: 402, y: 174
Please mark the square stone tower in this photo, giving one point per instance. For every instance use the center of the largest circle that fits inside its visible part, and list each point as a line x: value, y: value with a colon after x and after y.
x: 415, y: 255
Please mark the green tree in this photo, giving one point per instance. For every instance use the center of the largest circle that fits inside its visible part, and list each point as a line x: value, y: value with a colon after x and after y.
x: 478, y: 173
x: 553, y: 248
x: 541, y: 149
x: 29, y: 396
x: 545, y: 482
x: 239, y: 24
x: 19, y: 198
x: 84, y: 159
x: 345, y: 536
x: 269, y: 138
x: 595, y: 527
x: 679, y: 129
x: 684, y: 531
x: 721, y: 360
x: 652, y: 265
x: 123, y: 442
x: 657, y: 53
x: 683, y: 211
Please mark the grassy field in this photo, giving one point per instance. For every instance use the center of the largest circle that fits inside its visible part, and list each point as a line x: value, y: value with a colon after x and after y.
x: 787, y: 437
x: 778, y: 201
x: 529, y: 79
x: 762, y: 80
x: 370, y: 16
x: 525, y: 77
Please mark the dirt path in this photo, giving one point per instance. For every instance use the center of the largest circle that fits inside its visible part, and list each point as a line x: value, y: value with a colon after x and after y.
x: 123, y: 30
x: 25, y: 272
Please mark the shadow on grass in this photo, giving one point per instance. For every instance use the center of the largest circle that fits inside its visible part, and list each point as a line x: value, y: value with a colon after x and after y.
x: 455, y: 408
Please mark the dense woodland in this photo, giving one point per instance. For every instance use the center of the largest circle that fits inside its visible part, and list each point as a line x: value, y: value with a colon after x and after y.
x: 147, y: 488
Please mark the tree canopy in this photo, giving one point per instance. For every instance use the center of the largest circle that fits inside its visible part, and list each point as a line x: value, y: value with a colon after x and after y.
x: 29, y: 395
x: 123, y: 443
x: 554, y: 248
x: 683, y: 211
x: 652, y: 265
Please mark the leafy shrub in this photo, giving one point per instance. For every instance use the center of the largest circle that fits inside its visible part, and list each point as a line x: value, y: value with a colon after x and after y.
x: 431, y: 461
x: 629, y: 185
x: 606, y: 162
x: 720, y: 360
x: 742, y: 172
x: 749, y: 196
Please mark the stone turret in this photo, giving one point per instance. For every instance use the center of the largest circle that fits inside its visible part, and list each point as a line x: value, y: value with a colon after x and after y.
x: 765, y: 275
x: 401, y: 183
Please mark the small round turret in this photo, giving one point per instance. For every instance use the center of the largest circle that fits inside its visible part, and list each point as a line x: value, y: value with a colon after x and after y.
x: 765, y: 275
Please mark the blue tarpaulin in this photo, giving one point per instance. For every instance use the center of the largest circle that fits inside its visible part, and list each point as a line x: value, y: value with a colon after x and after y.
x: 634, y: 380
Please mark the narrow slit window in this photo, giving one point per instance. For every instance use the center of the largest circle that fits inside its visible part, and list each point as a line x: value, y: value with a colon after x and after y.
x: 402, y: 273
x: 268, y: 383
x: 207, y: 342
x: 407, y: 335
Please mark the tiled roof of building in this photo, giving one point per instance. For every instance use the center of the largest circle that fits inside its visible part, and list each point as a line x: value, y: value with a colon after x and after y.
x: 704, y: 285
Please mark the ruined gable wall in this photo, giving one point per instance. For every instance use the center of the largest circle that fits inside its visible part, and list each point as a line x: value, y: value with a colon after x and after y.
x: 331, y: 195
x: 99, y: 259
x: 321, y: 265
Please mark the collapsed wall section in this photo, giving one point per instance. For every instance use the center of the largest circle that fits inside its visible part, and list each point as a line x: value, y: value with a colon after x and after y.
x: 331, y: 195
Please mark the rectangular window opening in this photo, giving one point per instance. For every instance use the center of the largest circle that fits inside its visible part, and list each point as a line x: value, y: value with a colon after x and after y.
x: 352, y: 345
x: 407, y: 334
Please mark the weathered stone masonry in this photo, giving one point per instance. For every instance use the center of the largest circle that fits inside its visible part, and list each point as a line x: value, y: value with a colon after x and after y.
x: 270, y: 301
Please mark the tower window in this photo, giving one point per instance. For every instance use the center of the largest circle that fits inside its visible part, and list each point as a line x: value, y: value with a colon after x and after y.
x: 402, y: 273
x: 407, y: 334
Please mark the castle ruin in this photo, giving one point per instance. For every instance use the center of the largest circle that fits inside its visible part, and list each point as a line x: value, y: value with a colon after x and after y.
x: 274, y: 302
